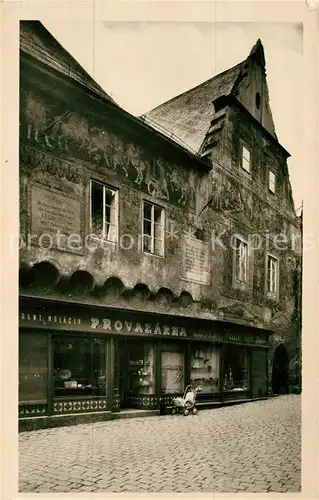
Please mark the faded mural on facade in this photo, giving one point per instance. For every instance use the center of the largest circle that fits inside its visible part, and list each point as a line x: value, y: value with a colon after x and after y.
x: 71, y: 134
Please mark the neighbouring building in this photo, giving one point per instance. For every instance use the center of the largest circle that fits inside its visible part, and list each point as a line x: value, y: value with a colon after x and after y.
x: 147, y: 252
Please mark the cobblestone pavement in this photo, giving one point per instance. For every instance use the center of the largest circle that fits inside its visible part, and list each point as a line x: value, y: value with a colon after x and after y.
x: 252, y: 447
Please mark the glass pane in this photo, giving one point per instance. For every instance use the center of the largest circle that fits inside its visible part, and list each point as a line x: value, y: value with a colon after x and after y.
x: 158, y: 215
x: 147, y: 227
x: 147, y: 211
x: 272, y: 181
x: 33, y: 367
x: 110, y: 232
x: 236, y: 369
x: 97, y: 209
x: 110, y: 197
x: 172, y: 372
x: 99, y: 367
x: 246, y: 164
x: 141, y: 369
x: 78, y: 366
x: 205, y: 368
x: 147, y: 244
x: 158, y: 247
x: 246, y: 153
x: 158, y: 231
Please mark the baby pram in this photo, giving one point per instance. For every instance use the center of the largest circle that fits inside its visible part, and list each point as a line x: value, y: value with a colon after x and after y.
x: 187, y: 403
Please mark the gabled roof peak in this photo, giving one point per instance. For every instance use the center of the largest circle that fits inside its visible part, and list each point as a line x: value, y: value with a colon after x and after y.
x: 257, y: 52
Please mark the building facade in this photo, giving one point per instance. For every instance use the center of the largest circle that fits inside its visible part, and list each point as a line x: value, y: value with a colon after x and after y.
x: 139, y: 268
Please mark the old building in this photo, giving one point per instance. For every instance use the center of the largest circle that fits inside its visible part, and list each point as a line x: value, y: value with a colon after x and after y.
x: 147, y: 252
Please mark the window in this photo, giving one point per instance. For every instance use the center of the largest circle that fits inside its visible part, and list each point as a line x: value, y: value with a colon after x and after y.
x: 241, y: 261
x: 33, y: 367
x: 246, y: 159
x: 172, y: 365
x: 153, y: 229
x: 272, y: 274
x: 272, y: 181
x: 140, y: 368
x: 104, y: 211
x: 79, y: 365
x: 205, y: 368
x: 236, y: 369
x: 257, y: 100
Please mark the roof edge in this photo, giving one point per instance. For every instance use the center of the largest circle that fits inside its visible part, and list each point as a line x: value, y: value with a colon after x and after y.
x: 40, y: 28
x: 193, y: 88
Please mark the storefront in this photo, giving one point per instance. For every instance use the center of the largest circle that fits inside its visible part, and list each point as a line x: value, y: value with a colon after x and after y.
x: 79, y: 360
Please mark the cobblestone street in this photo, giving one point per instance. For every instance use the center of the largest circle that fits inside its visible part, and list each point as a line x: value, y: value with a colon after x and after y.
x: 253, y: 447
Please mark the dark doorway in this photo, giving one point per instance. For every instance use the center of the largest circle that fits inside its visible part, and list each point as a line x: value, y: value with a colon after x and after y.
x: 280, y: 370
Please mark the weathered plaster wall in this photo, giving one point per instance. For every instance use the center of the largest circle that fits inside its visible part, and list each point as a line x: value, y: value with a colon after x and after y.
x: 66, y: 140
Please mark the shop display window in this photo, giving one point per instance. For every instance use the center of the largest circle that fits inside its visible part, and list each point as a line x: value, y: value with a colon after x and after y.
x: 205, y: 368
x: 172, y: 366
x: 236, y: 369
x: 79, y: 366
x: 141, y: 368
x: 33, y: 367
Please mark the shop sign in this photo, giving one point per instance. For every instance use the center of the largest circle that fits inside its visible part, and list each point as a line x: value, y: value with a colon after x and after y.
x: 130, y: 327
x: 127, y: 327
x: 50, y: 319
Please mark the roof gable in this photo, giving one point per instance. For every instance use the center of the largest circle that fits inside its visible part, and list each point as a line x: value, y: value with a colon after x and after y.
x: 38, y: 42
x: 189, y: 115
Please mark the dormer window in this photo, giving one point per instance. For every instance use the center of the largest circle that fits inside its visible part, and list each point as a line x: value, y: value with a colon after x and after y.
x: 246, y: 159
x: 271, y: 182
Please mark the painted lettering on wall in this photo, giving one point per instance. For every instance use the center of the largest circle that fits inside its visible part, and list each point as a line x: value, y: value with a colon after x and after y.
x: 195, y: 261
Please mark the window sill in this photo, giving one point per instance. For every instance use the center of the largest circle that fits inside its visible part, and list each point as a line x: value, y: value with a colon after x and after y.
x: 245, y: 172
x: 240, y: 285
x: 102, y: 240
x: 153, y: 254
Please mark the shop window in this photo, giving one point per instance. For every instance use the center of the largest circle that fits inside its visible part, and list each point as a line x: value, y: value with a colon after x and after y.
x: 33, y: 367
x: 141, y: 369
x: 79, y: 366
x: 205, y: 368
x: 271, y: 182
x: 246, y: 159
x: 241, y: 260
x: 153, y: 229
x: 236, y: 369
x: 172, y: 367
x: 272, y: 275
x: 104, y: 212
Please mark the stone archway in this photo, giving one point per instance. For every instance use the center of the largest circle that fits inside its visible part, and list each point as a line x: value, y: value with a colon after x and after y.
x: 280, y: 370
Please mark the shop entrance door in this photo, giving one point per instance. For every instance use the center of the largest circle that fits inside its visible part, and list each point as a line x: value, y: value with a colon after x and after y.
x: 136, y: 372
x: 123, y: 357
x: 280, y: 370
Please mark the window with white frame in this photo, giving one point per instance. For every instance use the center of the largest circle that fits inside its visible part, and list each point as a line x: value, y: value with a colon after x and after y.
x: 153, y: 229
x: 104, y: 211
x: 272, y: 274
x: 246, y: 159
x: 272, y: 181
x: 241, y: 261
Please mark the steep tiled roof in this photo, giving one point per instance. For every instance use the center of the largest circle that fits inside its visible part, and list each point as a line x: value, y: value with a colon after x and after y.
x: 188, y: 115
x: 38, y: 42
